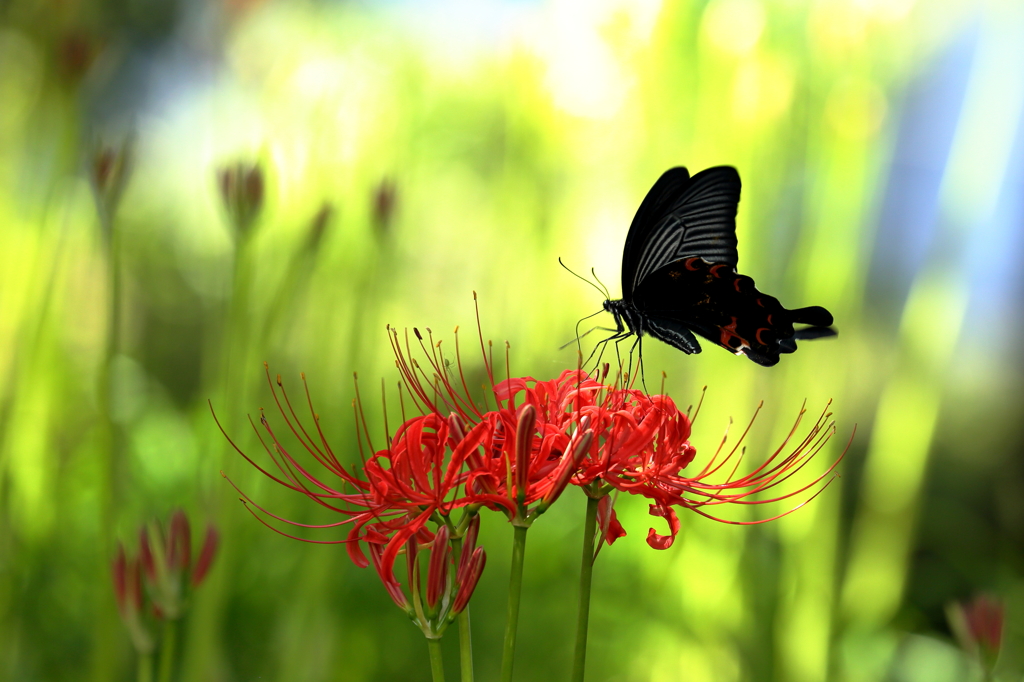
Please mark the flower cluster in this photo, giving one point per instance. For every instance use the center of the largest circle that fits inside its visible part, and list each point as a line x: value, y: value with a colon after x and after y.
x: 513, y: 449
x: 161, y: 576
x: 978, y: 626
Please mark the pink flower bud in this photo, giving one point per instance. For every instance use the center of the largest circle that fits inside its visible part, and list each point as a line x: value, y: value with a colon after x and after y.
x: 978, y: 625
x: 241, y: 188
x: 179, y: 542
x: 527, y: 419
x: 468, y: 583
x: 206, y: 554
x: 318, y: 226
x: 468, y: 545
x: 567, y: 467
x: 109, y: 169
x: 456, y: 430
x: 412, y: 549
x: 146, y: 556
x: 118, y: 572
x: 385, y: 200
x: 437, y: 573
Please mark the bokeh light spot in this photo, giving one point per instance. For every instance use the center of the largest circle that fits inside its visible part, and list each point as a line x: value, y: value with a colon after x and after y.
x: 734, y: 26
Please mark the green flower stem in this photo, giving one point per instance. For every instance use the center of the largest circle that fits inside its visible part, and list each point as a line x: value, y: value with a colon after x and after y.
x: 465, y: 647
x: 167, y: 650
x: 145, y: 672
x: 586, y: 574
x: 108, y: 454
x: 233, y: 346
x: 465, y: 633
x: 436, y: 661
x: 515, y: 588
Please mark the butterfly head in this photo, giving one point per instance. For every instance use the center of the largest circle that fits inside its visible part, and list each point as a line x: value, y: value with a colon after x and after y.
x: 625, y: 314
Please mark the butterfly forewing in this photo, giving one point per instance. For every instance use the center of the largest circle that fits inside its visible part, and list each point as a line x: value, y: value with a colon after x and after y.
x: 682, y: 216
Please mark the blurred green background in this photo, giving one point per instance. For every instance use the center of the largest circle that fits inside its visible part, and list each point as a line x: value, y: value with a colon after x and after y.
x: 881, y: 144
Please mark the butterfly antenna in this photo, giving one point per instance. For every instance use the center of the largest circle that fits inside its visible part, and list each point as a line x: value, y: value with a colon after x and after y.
x: 607, y: 294
x: 603, y: 292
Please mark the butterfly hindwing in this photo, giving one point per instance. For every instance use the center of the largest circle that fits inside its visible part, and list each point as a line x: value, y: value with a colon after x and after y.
x: 672, y: 332
x: 712, y: 300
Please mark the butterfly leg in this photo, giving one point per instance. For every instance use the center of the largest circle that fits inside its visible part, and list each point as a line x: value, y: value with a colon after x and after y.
x: 603, y: 344
x: 618, y: 357
x: 638, y: 347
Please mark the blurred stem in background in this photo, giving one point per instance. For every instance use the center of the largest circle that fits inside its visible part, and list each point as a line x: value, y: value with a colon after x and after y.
x: 109, y: 171
x: 253, y: 326
x: 168, y: 649
x: 144, y: 670
x: 241, y: 188
x: 242, y: 191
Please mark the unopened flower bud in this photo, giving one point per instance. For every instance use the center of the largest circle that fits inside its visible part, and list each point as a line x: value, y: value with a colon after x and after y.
x: 567, y: 467
x: 468, y: 545
x: 241, y: 188
x: 527, y: 418
x: 146, y: 557
x: 118, y: 572
x: 76, y: 51
x: 437, y: 573
x: 385, y: 201
x: 978, y: 626
x: 469, y: 581
x: 206, y: 554
x: 456, y: 430
x: 179, y: 542
x: 317, y: 227
x: 127, y: 576
x: 109, y: 170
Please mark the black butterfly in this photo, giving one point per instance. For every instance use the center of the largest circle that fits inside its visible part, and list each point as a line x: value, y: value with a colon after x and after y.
x: 679, y: 275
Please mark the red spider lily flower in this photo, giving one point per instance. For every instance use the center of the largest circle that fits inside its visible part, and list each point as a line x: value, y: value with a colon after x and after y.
x: 167, y: 563
x: 416, y: 481
x: 529, y: 453
x: 577, y: 429
x: 646, y: 448
x: 563, y: 430
x: 127, y: 576
x: 978, y: 626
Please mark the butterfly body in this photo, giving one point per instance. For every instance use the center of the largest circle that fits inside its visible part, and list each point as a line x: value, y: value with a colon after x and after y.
x: 679, y: 275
